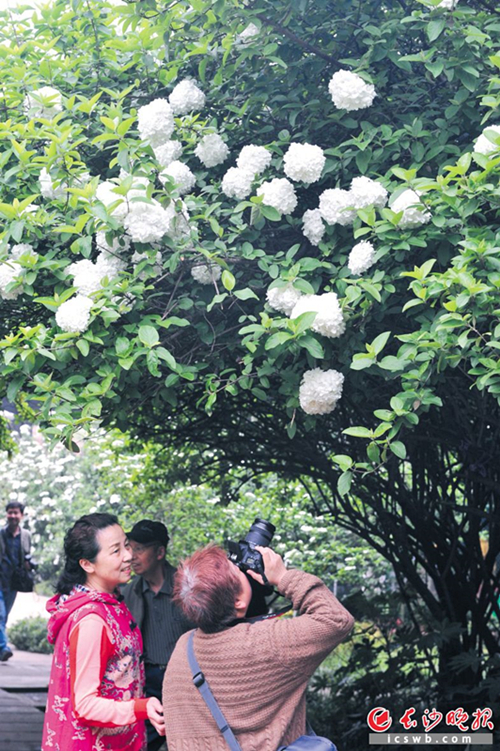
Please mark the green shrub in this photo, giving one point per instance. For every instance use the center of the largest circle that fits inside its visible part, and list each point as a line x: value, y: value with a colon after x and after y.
x: 30, y: 634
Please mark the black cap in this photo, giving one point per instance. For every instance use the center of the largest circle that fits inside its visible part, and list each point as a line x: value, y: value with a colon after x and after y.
x: 147, y: 531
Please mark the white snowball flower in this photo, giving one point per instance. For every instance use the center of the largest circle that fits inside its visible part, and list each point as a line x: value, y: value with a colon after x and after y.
x: 361, y: 257
x: 9, y: 271
x: 329, y: 320
x: 212, y: 150
x: 254, y: 159
x: 87, y: 276
x: 156, y: 122
x: 246, y: 36
x: 168, y: 152
x: 186, y: 97
x: 147, y: 222
x: 45, y: 102
x: 237, y: 183
x: 21, y: 249
x: 304, y: 162
x: 320, y: 390
x: 106, y: 193
x: 447, y: 4
x: 414, y: 212
x: 206, y: 273
x: 181, y: 175
x: 484, y: 145
x: 367, y: 192
x: 74, y: 314
x: 313, y: 227
x: 336, y: 206
x: 349, y: 91
x: 284, y: 298
x: 280, y: 194
x: 47, y: 188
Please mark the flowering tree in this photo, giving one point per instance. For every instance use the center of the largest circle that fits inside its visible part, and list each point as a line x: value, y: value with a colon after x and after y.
x: 271, y: 229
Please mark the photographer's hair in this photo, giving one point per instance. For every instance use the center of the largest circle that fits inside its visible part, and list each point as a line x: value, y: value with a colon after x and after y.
x: 81, y: 542
x: 15, y: 504
x: 206, y: 586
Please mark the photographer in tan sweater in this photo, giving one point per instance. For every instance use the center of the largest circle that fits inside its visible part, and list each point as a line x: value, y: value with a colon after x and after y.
x: 258, y: 670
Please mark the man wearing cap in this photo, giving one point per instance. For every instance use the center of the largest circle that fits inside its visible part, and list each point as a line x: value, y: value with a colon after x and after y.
x: 149, y: 599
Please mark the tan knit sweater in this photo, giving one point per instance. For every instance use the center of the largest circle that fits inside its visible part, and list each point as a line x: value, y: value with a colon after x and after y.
x: 258, y: 673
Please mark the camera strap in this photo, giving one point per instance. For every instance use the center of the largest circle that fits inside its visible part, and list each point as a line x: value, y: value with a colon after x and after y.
x: 208, y: 697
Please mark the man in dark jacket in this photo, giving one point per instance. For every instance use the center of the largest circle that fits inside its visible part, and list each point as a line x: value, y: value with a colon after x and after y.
x: 149, y: 599
x: 15, y: 547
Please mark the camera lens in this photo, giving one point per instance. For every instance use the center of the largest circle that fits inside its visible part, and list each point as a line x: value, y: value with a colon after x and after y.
x: 260, y: 533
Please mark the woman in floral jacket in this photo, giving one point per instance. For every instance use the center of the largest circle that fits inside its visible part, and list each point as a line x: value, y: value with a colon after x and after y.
x: 95, y: 698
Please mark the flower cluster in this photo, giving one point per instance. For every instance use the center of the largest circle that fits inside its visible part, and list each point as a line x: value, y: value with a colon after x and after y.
x: 211, y: 150
x: 148, y: 222
x: 447, y: 4
x: 349, y: 91
x: 313, y: 227
x: 284, y: 298
x: 304, y: 162
x: 168, y: 152
x: 186, y: 97
x: 253, y: 159
x: 483, y: 144
x: 329, y: 319
x: 366, y: 192
x: 237, y: 183
x: 336, y: 206
x: 9, y: 272
x: 414, y: 211
x: 181, y: 175
x: 278, y: 193
x: 361, y: 257
x: 320, y: 390
x: 156, y: 122
x: 74, y: 314
x: 206, y: 273
x: 248, y: 33
x: 45, y: 102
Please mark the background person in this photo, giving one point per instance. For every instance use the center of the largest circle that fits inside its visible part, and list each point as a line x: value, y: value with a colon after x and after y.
x: 15, y: 546
x: 257, y: 670
x: 95, y: 697
x: 150, y: 600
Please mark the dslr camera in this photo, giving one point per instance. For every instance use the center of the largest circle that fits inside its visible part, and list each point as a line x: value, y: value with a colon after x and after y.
x: 243, y: 553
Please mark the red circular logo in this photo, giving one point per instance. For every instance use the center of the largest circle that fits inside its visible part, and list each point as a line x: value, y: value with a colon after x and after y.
x: 379, y: 720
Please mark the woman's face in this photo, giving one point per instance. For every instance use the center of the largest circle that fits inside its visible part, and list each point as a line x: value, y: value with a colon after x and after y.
x: 111, y: 566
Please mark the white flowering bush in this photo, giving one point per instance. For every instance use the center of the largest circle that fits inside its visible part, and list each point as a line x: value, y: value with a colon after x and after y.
x: 206, y: 273
x: 320, y: 390
x: 220, y: 364
x: 349, y: 91
x: 361, y: 257
x: 304, y: 162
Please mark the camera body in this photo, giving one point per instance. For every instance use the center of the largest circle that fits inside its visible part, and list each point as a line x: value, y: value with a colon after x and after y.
x: 243, y: 553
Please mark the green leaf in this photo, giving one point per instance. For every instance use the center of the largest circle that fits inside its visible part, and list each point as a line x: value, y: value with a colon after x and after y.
x: 380, y: 341
x: 358, y: 432
x: 343, y: 461
x: 344, y: 483
x: 313, y: 346
x: 83, y: 346
x: 279, y: 338
x: 228, y: 280
x: 398, y: 449
x: 148, y: 335
x: 435, y: 27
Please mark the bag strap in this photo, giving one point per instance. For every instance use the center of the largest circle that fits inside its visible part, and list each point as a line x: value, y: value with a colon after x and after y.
x: 208, y: 697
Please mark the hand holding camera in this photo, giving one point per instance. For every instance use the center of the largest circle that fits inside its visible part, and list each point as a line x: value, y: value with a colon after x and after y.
x: 273, y: 566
